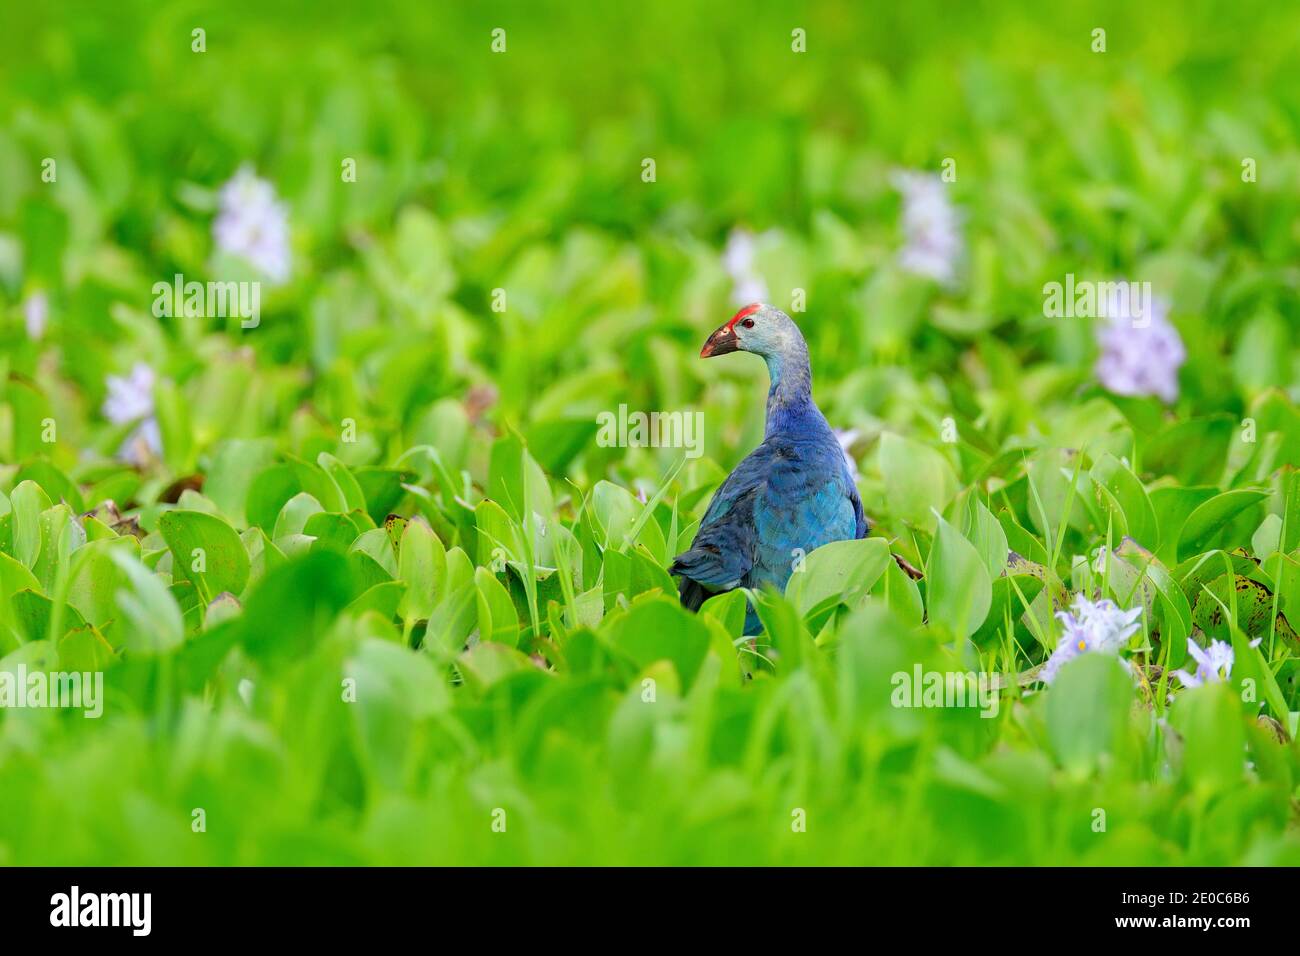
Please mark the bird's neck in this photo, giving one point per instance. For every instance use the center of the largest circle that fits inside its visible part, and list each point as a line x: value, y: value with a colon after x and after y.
x: 790, y: 407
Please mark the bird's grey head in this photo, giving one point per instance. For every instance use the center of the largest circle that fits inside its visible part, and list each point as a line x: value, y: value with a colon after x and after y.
x: 762, y: 329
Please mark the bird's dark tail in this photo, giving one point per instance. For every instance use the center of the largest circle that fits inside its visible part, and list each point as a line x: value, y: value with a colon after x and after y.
x: 692, y: 594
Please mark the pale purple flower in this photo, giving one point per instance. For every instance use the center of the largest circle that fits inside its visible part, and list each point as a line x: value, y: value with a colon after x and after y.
x: 932, y: 244
x: 130, y: 399
x: 738, y: 259
x: 1213, y: 664
x: 846, y: 437
x: 1094, y: 626
x: 1139, y: 355
x: 36, y: 314
x: 253, y: 224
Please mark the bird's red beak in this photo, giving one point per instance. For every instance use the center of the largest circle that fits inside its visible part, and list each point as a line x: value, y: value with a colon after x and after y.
x: 720, y: 342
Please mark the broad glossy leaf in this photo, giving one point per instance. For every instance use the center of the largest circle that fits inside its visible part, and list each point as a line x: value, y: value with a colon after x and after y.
x: 1127, y: 493
x: 1209, y: 722
x: 422, y: 567
x: 918, y: 480
x: 28, y: 502
x: 1203, y: 526
x: 845, y: 570
x: 1088, y: 708
x: 207, y: 551
x: 288, y: 612
x: 958, y: 588
x: 497, y: 620
x: 152, y: 620
x: 658, y: 628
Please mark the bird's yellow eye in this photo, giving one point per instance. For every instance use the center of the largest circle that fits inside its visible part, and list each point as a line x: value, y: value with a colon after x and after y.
x: 748, y: 323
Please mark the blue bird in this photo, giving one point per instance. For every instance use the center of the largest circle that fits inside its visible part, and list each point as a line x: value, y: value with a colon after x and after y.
x: 793, y: 493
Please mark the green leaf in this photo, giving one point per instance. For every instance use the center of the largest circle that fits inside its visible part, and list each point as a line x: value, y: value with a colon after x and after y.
x: 422, y: 567
x: 377, y: 544
x: 382, y: 488
x: 728, y: 609
x: 484, y: 665
x: 1203, y: 525
x: 382, y: 599
x: 174, y: 427
x: 61, y: 535
x: 986, y: 534
x: 28, y: 501
x: 1209, y: 721
x: 1172, y: 505
x: 1088, y: 710
x: 497, y: 620
x: 900, y: 593
x: 289, y: 611
x: 33, y: 613
x: 499, y: 539
x: 1194, y: 450
x: 1009, y: 598
x: 1289, y: 537
x: 395, y: 691
x: 647, y: 573
x: 55, y: 483
x: 614, y: 511
x: 153, y: 623
x: 236, y: 465
x: 353, y: 498
x: 510, y: 468
x: 83, y: 649
x: 206, y: 551
x: 658, y: 629
x: 919, y: 482
x: 958, y: 589
x: 317, y: 483
x: 14, y: 577
x: 295, y: 514
x: 842, y: 569
x: 336, y: 531
x: 1118, y: 488
x: 268, y: 493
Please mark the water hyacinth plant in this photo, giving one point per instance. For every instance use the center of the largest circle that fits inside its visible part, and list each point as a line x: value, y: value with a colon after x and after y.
x: 367, y: 582
x: 1140, y: 356
x: 1090, y: 626
x: 130, y: 402
x: 930, y: 224
x: 1213, y: 663
x: 738, y: 260
x: 253, y: 224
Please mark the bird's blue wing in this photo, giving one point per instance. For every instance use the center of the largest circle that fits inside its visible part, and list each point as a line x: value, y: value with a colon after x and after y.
x: 798, y: 514
x: 723, y: 552
x: 861, y: 527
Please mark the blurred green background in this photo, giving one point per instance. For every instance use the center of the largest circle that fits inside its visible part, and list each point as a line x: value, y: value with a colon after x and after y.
x: 522, y: 171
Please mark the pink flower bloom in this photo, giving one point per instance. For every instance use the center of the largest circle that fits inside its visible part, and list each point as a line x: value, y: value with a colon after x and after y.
x: 1094, y: 626
x: 36, y: 314
x: 1140, y: 359
x: 1213, y: 664
x: 253, y: 224
x: 931, y: 226
x: 130, y: 399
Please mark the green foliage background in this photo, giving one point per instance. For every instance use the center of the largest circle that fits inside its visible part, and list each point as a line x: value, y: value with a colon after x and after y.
x: 499, y: 634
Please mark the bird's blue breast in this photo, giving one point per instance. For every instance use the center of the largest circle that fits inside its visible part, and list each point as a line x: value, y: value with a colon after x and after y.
x: 806, y: 503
